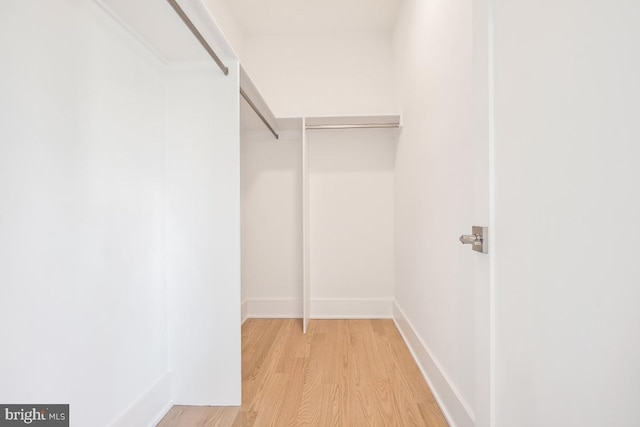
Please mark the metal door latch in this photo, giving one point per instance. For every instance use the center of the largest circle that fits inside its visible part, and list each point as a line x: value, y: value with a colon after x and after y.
x: 477, y: 240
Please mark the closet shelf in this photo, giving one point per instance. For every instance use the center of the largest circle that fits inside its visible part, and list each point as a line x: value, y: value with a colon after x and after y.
x: 376, y: 121
x: 355, y: 121
x: 254, y: 99
x: 157, y: 26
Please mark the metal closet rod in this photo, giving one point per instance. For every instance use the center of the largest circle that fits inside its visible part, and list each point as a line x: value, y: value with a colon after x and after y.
x: 215, y: 57
x: 198, y: 36
x: 355, y: 126
x: 264, y: 120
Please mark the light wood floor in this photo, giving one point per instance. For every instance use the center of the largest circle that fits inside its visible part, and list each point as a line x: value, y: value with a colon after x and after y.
x: 342, y: 373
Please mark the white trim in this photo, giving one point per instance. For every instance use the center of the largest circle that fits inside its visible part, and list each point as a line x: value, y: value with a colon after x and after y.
x: 150, y: 407
x: 492, y: 215
x: 244, y: 311
x: 457, y: 412
x: 306, y: 231
x: 351, y: 308
x: 161, y: 414
x: 320, y: 308
x: 265, y: 308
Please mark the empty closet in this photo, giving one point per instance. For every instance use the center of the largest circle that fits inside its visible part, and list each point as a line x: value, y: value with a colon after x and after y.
x: 317, y: 217
x: 199, y: 267
x: 289, y: 216
x: 318, y: 202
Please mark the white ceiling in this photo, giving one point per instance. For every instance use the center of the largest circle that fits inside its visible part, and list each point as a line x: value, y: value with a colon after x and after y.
x: 313, y: 16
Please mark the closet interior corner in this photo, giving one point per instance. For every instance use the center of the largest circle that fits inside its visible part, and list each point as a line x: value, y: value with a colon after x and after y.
x: 317, y: 214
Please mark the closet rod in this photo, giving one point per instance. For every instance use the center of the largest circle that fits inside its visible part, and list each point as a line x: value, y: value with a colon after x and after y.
x: 252, y: 105
x: 198, y: 36
x: 355, y: 126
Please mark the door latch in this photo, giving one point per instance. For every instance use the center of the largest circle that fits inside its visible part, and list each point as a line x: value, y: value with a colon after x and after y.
x: 477, y: 240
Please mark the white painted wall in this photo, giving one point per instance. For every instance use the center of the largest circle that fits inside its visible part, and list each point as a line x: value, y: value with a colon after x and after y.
x: 434, y: 197
x: 203, y: 234
x: 322, y: 74
x: 272, y: 223
x: 82, y: 253
x: 351, y: 192
x: 351, y: 222
x: 326, y: 74
x: 118, y: 184
x: 566, y: 150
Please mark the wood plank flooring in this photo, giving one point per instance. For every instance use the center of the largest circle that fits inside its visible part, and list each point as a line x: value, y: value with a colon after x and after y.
x: 341, y: 373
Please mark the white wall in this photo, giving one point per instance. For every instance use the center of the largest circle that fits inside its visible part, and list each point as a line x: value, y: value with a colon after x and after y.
x: 203, y: 234
x: 434, y: 197
x: 82, y: 250
x: 306, y: 75
x: 272, y: 223
x: 351, y: 222
x: 329, y: 74
x: 351, y: 193
x: 566, y: 151
x: 97, y: 143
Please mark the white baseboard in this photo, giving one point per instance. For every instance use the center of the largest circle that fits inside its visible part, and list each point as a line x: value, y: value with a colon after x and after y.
x: 244, y: 311
x: 453, y: 406
x: 320, y: 308
x: 266, y: 308
x: 150, y: 407
x: 161, y: 414
x: 351, y: 308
